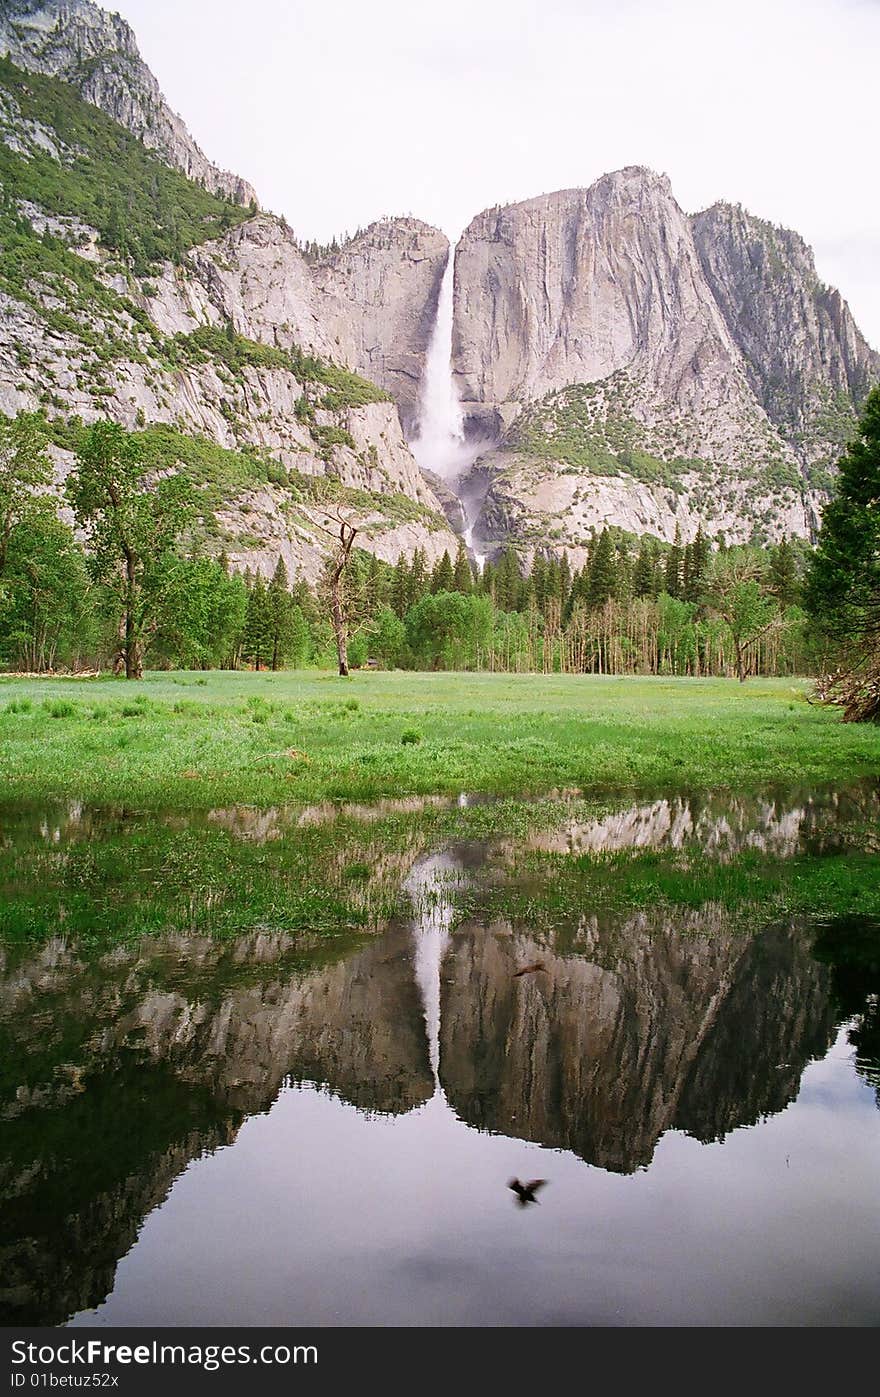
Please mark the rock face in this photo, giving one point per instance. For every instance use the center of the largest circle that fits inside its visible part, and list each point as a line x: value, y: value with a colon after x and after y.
x: 96, y: 53
x: 603, y: 335
x: 134, y: 348
x: 379, y: 296
x: 634, y: 366
x: 575, y: 286
x: 806, y: 359
x: 255, y: 279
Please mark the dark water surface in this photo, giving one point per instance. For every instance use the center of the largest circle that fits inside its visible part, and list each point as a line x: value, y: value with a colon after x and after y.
x: 269, y: 1128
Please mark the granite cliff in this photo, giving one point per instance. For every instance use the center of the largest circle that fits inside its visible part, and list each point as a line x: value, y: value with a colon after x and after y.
x: 642, y: 368
x: 630, y: 364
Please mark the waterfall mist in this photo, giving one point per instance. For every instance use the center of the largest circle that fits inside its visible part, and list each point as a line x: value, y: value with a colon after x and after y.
x: 440, y: 444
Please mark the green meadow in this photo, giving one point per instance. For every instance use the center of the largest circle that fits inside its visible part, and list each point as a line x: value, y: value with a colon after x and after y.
x: 196, y: 740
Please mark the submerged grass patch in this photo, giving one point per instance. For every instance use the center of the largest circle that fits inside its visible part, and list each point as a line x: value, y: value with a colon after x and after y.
x: 551, y: 890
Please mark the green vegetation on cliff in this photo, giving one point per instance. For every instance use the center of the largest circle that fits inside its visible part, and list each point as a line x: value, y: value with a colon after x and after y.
x: 80, y: 164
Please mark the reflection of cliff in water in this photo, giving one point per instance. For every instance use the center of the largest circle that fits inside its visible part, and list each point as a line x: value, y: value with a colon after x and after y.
x: 668, y: 1023
x: 778, y: 823
x: 119, y: 1070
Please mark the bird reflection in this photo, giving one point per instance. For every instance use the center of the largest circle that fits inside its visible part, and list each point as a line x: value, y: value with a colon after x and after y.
x: 526, y: 1193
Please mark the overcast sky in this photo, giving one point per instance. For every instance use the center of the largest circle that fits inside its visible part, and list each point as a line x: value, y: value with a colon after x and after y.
x: 341, y: 111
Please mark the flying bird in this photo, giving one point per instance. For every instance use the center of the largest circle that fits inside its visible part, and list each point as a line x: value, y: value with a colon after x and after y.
x: 525, y: 1193
x: 529, y: 969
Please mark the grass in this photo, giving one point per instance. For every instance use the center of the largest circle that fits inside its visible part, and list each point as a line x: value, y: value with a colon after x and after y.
x: 199, y: 740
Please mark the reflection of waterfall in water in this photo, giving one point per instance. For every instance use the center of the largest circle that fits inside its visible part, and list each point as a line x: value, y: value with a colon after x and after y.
x: 430, y: 889
x: 441, y: 446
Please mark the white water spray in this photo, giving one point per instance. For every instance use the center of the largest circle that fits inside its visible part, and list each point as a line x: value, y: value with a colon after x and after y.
x: 440, y: 445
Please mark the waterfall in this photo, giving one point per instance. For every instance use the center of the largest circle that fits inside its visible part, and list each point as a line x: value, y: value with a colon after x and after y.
x: 440, y: 445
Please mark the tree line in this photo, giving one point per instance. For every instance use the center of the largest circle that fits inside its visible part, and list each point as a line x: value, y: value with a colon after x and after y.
x: 127, y: 584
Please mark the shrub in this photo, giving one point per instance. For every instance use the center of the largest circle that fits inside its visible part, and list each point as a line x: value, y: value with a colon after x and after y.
x: 59, y: 708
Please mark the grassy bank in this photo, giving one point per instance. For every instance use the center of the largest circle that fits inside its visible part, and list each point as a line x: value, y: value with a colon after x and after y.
x: 201, y: 740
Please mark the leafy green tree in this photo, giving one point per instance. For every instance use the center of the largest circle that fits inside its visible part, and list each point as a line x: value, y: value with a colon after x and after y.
x: 25, y: 469
x: 739, y: 597
x: 387, y: 637
x: 448, y: 629
x: 201, y: 613
x: 131, y: 521
x: 843, y: 584
x: 47, y: 616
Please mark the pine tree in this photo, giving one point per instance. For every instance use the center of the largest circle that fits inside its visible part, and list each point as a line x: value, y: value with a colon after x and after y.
x: 400, y: 588
x: 643, y: 577
x: 784, y: 582
x: 279, y: 616
x: 698, y: 568
x: 843, y: 586
x: 376, y: 586
x: 564, y: 579
x: 463, y: 578
x: 486, y: 584
x: 674, y: 566
x: 257, y: 644
x: 418, y: 578
x: 540, y: 581
x: 602, y: 576
x: 508, y: 581
x: 442, y: 578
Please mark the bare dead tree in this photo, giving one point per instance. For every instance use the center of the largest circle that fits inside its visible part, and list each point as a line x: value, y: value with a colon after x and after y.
x: 343, y: 532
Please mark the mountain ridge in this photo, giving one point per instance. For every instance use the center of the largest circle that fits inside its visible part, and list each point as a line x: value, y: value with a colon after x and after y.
x: 633, y: 365
x: 97, y: 53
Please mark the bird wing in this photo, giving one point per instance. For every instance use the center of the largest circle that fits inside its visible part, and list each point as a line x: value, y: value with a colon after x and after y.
x: 534, y: 1184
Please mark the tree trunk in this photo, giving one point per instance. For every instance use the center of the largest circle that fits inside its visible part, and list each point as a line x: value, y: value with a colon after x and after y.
x: 347, y: 533
x: 134, y: 657
x: 338, y: 614
x: 740, y: 661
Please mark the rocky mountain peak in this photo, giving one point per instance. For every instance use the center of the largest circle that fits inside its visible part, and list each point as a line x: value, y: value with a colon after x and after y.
x: 805, y: 357
x: 97, y: 53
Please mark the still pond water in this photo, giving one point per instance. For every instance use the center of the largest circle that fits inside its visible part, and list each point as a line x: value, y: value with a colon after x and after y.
x: 269, y: 1128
